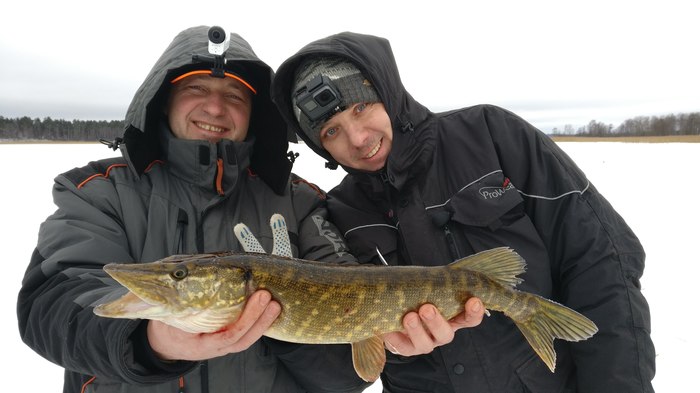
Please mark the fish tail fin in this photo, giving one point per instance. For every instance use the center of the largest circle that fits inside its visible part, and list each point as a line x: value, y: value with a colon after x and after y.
x: 552, y: 320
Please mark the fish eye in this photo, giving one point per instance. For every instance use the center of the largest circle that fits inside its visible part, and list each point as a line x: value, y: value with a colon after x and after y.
x: 179, y: 273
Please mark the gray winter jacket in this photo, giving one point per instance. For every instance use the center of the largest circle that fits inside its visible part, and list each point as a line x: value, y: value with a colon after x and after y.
x: 171, y: 196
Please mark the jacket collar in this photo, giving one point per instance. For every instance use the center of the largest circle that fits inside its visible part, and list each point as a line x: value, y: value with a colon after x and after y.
x: 212, y: 167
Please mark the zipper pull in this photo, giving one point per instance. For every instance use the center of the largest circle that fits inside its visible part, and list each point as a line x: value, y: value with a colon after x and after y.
x: 441, y: 219
x: 381, y: 257
x: 181, y: 385
x: 387, y: 193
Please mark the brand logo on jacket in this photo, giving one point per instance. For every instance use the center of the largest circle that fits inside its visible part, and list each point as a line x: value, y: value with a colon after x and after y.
x: 325, y: 230
x: 495, y: 192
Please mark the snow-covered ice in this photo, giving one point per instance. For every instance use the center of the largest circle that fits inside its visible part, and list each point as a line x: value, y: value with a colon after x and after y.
x: 653, y: 186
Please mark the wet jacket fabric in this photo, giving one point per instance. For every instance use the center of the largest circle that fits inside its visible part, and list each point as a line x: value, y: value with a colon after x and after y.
x: 472, y: 179
x: 186, y: 200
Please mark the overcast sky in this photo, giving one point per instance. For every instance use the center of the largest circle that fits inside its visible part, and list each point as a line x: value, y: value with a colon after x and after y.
x: 553, y: 62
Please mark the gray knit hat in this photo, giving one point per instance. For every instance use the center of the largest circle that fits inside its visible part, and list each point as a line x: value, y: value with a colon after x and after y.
x: 314, y: 81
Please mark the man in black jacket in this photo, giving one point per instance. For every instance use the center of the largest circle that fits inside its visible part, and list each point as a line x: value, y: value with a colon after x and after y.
x: 427, y: 188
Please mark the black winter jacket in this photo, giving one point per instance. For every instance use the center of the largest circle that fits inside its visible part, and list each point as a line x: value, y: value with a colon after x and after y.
x: 464, y: 181
x: 172, y: 196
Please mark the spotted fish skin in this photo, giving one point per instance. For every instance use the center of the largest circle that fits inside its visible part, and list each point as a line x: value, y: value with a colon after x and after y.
x: 326, y: 303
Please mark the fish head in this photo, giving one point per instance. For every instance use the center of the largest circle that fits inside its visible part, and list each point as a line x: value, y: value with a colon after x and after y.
x: 196, y: 295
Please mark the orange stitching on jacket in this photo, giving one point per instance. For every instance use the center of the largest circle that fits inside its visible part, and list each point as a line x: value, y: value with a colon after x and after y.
x: 148, y: 168
x: 105, y: 175
x: 320, y: 193
x: 85, y: 385
x: 251, y: 173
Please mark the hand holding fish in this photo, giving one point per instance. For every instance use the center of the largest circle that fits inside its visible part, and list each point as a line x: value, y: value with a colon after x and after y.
x: 427, y: 329
x: 324, y: 303
x: 257, y: 316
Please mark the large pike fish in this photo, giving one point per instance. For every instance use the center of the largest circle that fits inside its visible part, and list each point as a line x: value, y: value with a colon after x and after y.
x: 325, y: 303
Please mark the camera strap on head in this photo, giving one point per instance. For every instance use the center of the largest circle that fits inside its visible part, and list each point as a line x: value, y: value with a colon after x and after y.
x: 218, y: 63
x: 218, y: 45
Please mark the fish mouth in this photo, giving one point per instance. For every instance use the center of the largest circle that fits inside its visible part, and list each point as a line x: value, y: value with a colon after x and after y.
x: 147, y: 286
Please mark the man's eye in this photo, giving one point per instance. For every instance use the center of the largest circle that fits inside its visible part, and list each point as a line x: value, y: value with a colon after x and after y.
x: 360, y: 107
x: 330, y: 132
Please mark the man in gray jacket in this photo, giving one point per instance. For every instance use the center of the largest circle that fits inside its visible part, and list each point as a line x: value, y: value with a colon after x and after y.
x: 204, y: 148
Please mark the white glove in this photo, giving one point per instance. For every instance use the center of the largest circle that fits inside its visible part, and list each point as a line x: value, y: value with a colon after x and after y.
x: 280, y: 237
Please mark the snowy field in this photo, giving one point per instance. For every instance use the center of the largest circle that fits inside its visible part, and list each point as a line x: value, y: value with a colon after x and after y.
x: 653, y: 186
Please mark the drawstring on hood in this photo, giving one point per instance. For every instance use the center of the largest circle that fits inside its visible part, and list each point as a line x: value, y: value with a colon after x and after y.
x: 114, y: 144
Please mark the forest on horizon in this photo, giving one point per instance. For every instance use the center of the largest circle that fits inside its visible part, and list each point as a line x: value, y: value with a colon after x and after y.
x: 48, y: 129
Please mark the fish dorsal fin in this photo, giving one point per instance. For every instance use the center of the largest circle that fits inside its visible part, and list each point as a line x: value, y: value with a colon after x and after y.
x: 501, y: 264
x: 368, y: 358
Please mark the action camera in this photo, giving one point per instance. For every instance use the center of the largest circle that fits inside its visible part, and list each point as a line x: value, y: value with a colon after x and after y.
x: 318, y: 99
x: 219, y: 40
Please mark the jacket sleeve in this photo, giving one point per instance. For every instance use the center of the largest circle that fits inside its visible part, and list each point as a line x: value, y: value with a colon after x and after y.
x: 65, y: 280
x: 318, y: 368
x: 319, y: 239
x: 597, y: 259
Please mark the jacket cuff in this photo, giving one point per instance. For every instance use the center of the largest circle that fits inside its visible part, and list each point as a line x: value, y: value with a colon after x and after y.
x: 146, y: 357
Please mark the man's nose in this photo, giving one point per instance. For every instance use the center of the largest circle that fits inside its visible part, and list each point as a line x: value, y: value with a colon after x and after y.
x: 357, y: 134
x: 214, y: 104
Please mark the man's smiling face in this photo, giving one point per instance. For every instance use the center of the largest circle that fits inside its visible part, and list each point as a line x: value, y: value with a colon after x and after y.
x: 203, y: 107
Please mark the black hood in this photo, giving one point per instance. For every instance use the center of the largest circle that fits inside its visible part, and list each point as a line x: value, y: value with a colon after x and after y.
x: 142, y: 144
x: 375, y: 58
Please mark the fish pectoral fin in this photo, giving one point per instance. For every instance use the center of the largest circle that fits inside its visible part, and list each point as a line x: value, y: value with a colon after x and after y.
x: 368, y: 358
x: 206, y: 321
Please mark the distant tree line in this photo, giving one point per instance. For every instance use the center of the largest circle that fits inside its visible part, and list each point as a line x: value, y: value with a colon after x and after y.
x: 48, y: 129
x: 667, y: 125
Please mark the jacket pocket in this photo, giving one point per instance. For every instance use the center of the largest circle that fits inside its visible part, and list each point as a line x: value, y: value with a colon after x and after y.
x: 536, y: 377
x: 369, y: 241
x: 491, y: 213
x: 95, y: 386
x: 484, y: 203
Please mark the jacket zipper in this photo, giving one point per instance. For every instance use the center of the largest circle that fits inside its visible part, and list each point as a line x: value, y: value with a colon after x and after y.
x: 204, y: 373
x: 180, y: 232
x: 452, y: 244
x: 442, y: 220
x: 386, y: 186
